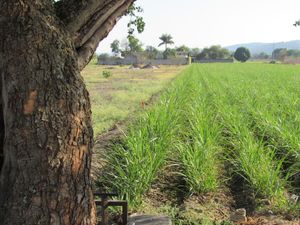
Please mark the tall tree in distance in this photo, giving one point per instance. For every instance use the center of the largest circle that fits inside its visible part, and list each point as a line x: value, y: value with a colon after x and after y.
x: 166, y: 39
x: 130, y: 45
x: 45, y: 108
x: 242, y: 54
x: 115, y: 47
x: 151, y: 52
x: 280, y: 54
x: 134, y: 44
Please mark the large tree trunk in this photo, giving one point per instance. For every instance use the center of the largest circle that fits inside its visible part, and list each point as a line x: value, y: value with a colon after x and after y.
x: 45, y: 178
x: 1, y: 128
x: 46, y: 136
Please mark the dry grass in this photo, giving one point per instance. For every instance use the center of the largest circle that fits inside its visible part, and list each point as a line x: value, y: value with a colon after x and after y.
x: 113, y: 99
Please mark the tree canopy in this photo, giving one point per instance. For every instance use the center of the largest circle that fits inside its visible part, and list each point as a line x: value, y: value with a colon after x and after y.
x: 166, y: 39
x: 151, y: 52
x: 214, y: 52
x: 136, y: 21
x: 127, y: 47
x: 115, y: 47
x: 242, y: 54
x: 134, y: 44
x: 280, y: 54
x: 169, y: 53
x: 183, y: 49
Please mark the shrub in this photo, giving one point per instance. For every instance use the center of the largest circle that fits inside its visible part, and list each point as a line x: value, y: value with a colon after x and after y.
x: 106, y: 74
x: 242, y: 54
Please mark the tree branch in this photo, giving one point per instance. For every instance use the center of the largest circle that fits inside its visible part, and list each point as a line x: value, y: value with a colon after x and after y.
x: 89, y: 22
x: 88, y: 47
x: 75, y: 13
x: 97, y: 20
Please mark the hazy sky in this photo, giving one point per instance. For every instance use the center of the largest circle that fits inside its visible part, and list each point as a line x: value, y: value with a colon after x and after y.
x: 201, y: 23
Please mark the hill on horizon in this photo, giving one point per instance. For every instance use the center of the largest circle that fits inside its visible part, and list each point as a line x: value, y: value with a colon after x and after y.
x: 258, y: 47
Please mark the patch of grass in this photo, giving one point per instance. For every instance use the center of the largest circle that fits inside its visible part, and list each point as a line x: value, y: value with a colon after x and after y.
x: 124, y: 91
x: 192, y: 213
x: 135, y: 164
x: 106, y: 116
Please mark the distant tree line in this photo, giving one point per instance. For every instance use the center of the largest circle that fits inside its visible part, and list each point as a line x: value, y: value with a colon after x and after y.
x: 282, y: 53
x: 261, y: 56
x: 133, y: 46
x: 214, y: 52
x: 279, y: 54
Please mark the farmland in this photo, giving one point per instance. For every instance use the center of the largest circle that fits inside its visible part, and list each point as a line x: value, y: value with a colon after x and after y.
x: 115, y: 98
x: 219, y: 138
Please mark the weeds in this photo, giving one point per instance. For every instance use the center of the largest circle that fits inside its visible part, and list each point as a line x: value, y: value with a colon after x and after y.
x: 106, y: 74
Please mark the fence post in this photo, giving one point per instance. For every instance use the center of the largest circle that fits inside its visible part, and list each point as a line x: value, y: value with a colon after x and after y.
x: 189, y: 60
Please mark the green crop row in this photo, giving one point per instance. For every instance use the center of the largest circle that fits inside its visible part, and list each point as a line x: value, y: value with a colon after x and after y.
x: 246, y: 112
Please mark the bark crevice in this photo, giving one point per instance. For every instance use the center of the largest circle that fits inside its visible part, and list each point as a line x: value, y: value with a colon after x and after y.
x: 2, y: 130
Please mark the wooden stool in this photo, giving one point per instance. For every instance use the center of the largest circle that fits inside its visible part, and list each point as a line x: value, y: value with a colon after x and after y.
x: 104, y: 203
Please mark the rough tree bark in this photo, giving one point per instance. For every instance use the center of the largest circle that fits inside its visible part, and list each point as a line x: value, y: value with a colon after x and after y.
x: 46, y: 135
x: 1, y: 128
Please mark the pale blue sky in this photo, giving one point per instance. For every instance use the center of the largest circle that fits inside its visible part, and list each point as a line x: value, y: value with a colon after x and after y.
x: 201, y: 23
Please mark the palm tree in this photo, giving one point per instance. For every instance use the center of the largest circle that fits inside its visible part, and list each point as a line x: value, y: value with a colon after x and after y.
x: 166, y: 40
